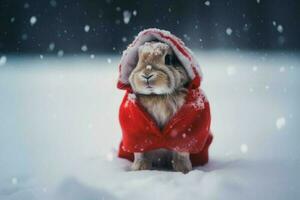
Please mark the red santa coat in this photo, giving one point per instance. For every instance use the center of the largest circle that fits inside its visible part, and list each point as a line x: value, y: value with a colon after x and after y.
x: 187, y: 131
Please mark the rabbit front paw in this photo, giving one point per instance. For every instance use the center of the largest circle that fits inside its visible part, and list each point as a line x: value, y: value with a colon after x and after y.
x: 141, y: 164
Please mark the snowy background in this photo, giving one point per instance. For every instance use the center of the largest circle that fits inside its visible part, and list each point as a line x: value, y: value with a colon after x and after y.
x: 59, y: 129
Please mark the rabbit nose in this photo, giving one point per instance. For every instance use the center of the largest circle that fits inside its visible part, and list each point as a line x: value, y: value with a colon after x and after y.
x: 148, y: 67
x: 147, y: 77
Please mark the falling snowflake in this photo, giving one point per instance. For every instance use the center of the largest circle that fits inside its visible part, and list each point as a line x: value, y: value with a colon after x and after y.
x: 86, y: 28
x: 24, y: 36
x: 228, y: 31
x: 3, y: 60
x: 258, y: 1
x: 267, y: 87
x: 282, y: 69
x: 53, y: 3
x: 41, y: 57
x: 14, y: 181
x: 84, y: 48
x: 60, y: 53
x: 108, y: 60
x: 12, y: 20
x: 280, y: 28
x: 51, y: 46
x: 33, y: 20
x: 124, y: 39
x: 207, y: 3
x: 184, y: 135
x: 231, y: 71
x: 92, y: 56
x: 186, y: 37
x: 244, y: 148
x: 26, y: 5
x: 134, y: 13
x: 126, y: 16
x: 118, y: 8
x: 254, y: 68
x: 280, y: 123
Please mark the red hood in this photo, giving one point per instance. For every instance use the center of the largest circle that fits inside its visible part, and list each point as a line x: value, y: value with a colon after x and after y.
x: 130, y: 56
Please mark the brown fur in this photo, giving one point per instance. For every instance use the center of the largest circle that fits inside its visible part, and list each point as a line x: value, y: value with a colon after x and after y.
x: 160, y: 90
x: 163, y: 107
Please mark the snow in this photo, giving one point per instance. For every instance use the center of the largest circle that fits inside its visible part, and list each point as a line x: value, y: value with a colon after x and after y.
x: 267, y: 87
x: 198, y: 104
x: 26, y: 5
x: 244, y: 148
x: 84, y: 48
x: 153, y: 48
x: 254, y: 68
x: 14, y: 181
x: 280, y: 123
x: 126, y: 16
x: 280, y: 28
x: 72, y: 156
x: 124, y: 39
x: 3, y: 60
x: 24, y: 36
x: 231, y: 70
x: 207, y: 3
x: 33, y: 20
x: 86, y: 28
x: 53, y: 3
x: 110, y: 156
x: 228, y: 31
x: 51, y: 46
x: 131, y: 97
x: 60, y: 53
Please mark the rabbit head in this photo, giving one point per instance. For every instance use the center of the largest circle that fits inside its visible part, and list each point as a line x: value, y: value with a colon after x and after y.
x: 158, y: 70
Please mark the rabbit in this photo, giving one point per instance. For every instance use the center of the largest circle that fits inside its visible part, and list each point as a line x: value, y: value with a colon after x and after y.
x: 159, y: 82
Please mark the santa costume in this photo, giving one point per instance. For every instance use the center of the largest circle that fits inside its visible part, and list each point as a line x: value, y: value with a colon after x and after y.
x: 187, y: 131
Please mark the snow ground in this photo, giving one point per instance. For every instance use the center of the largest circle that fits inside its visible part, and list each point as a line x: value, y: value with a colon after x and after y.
x: 59, y: 131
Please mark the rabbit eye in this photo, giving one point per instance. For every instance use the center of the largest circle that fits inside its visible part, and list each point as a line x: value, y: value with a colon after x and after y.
x: 169, y: 59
